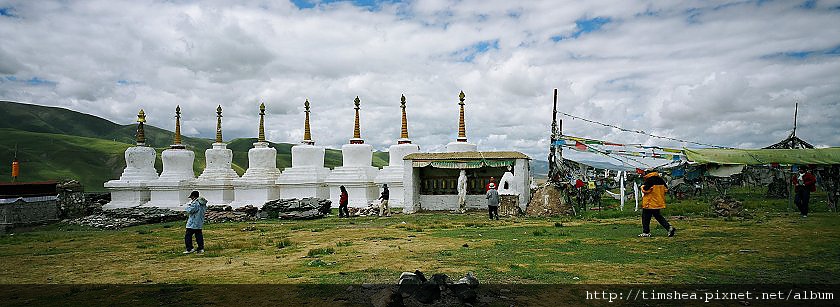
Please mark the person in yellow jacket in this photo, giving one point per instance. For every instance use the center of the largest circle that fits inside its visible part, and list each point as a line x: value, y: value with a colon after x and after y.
x: 653, y: 200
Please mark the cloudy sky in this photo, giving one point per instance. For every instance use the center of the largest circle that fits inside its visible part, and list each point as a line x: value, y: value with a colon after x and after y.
x: 717, y: 72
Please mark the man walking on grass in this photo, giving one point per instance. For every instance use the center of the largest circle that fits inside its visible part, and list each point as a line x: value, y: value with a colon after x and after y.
x: 384, y: 210
x: 493, y: 201
x: 653, y: 200
x: 195, y: 222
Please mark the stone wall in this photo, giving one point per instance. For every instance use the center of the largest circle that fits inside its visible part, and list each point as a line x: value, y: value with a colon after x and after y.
x: 450, y: 202
x: 21, y: 213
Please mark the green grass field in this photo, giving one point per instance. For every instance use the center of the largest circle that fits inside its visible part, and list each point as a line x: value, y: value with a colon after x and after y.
x: 304, y: 260
x: 770, y: 247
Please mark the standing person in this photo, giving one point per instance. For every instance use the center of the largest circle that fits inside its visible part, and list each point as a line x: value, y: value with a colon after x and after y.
x: 804, y: 183
x: 653, y: 200
x: 342, y: 203
x: 195, y: 222
x: 493, y: 201
x: 383, y: 205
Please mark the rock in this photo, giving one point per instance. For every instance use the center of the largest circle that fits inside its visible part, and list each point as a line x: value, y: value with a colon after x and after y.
x: 306, y: 208
x: 427, y: 293
x: 420, y: 276
x: 125, y: 217
x: 464, y: 293
x: 224, y: 216
x: 387, y: 298
x: 469, y: 280
x: 440, y: 279
x: 727, y: 207
x: 409, y: 279
x: 550, y: 200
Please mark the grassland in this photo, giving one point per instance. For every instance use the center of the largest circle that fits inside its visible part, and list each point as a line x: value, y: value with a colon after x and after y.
x: 772, y: 246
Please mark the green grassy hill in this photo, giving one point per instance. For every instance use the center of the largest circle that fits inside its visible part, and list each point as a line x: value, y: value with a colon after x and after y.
x: 46, y: 156
x: 56, y: 143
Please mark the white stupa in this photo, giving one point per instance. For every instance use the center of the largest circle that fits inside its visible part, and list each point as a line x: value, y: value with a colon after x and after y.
x: 394, y: 172
x: 258, y: 184
x: 172, y: 188
x: 461, y: 144
x: 216, y: 182
x: 131, y: 190
x: 306, y: 176
x: 357, y: 174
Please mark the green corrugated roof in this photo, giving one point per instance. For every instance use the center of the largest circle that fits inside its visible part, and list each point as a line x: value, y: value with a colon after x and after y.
x: 466, y: 155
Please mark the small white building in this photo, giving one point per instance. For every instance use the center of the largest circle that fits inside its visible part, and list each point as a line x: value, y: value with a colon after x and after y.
x: 431, y: 179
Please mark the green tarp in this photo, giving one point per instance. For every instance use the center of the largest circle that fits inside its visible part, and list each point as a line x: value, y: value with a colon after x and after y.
x: 829, y: 155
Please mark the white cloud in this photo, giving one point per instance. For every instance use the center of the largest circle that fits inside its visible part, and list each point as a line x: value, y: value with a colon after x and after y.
x: 719, y: 73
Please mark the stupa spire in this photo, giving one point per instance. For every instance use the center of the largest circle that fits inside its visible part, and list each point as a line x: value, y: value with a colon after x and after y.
x: 307, y: 133
x: 141, y: 133
x: 176, y: 144
x: 357, y: 134
x: 462, y: 129
x: 262, y: 123
x: 219, y: 124
x: 404, y: 131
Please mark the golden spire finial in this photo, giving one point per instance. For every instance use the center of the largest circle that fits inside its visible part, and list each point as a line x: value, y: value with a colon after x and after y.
x: 177, y: 141
x: 307, y: 133
x: 357, y: 134
x: 219, y: 124
x: 462, y: 129
x: 262, y: 123
x: 141, y: 134
x: 404, y: 131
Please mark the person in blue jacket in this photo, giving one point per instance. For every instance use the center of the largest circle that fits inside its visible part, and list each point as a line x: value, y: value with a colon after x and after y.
x: 195, y: 222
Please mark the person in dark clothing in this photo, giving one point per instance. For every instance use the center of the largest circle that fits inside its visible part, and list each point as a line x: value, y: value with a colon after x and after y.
x: 653, y: 200
x: 342, y: 203
x: 383, y: 205
x: 195, y: 222
x: 493, y: 201
x: 804, y: 183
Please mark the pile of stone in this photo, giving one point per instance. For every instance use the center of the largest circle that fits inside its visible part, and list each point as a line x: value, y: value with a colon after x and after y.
x: 727, y: 207
x: 125, y: 217
x: 550, y: 200
x: 223, y: 214
x: 297, y: 209
x: 370, y: 210
x: 73, y: 202
x: 415, y: 289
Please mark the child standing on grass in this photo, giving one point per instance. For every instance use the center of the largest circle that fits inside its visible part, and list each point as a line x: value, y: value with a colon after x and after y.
x: 653, y: 200
x: 195, y: 222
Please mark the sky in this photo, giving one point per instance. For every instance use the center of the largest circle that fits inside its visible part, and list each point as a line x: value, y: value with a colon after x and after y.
x: 725, y: 73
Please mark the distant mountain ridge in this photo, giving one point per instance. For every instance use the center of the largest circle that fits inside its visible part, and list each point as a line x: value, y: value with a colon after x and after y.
x: 56, y: 143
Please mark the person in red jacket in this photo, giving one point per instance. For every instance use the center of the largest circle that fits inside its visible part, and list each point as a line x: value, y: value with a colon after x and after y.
x: 492, y: 182
x: 342, y: 203
x: 804, y: 183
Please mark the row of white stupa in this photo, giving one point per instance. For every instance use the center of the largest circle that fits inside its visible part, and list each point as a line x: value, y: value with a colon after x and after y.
x: 140, y: 185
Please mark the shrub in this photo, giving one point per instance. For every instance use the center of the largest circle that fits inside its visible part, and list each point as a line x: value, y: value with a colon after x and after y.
x: 285, y: 242
x: 320, y: 251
